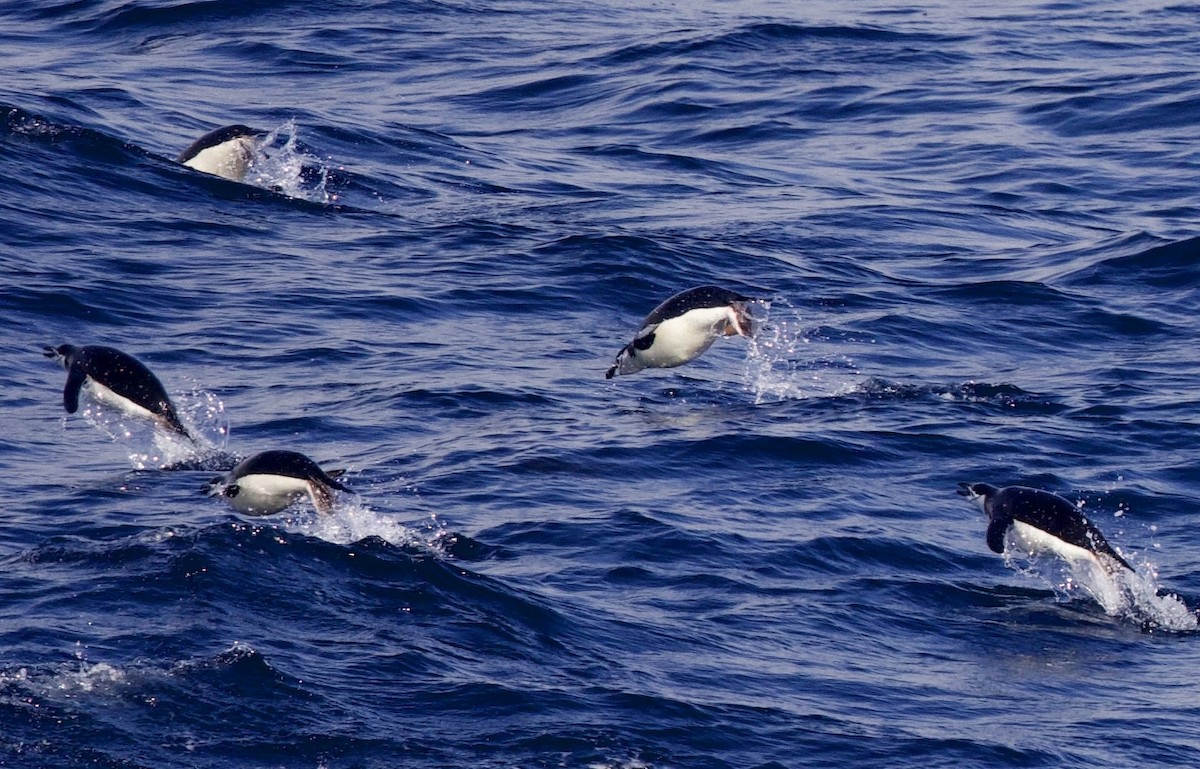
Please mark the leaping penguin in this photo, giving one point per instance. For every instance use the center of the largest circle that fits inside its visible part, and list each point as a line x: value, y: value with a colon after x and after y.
x: 118, y: 379
x: 682, y: 328
x: 224, y: 152
x: 1038, y: 521
x: 270, y: 481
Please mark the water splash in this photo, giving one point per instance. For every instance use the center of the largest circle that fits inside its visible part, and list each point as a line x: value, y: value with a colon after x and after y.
x: 786, y: 361
x: 283, y: 164
x: 201, y: 412
x: 204, y: 415
x: 1155, y: 611
x: 1130, y: 595
x: 66, y: 680
x: 353, y: 520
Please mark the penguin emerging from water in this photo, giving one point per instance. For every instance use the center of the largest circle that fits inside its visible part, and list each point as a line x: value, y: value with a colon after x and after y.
x: 682, y: 328
x: 225, y: 152
x: 270, y: 481
x: 1038, y: 521
x: 118, y: 379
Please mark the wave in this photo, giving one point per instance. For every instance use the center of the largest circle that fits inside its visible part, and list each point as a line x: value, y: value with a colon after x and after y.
x: 788, y: 359
x: 283, y: 165
x: 1173, y: 267
x: 796, y: 42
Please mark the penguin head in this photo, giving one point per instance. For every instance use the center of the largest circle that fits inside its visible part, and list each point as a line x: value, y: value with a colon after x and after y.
x: 627, y: 361
x: 978, y: 493
x: 61, y: 354
x: 624, y: 364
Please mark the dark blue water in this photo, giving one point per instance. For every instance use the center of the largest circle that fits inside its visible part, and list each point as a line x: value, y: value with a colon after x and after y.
x: 975, y: 232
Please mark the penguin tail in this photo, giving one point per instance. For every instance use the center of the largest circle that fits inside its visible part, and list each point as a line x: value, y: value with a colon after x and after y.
x: 1112, y: 560
x: 331, y: 475
x: 1108, y: 556
x: 171, y: 422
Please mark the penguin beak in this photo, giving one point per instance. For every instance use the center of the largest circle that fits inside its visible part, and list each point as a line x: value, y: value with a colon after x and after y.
x: 618, y: 366
x: 974, y: 497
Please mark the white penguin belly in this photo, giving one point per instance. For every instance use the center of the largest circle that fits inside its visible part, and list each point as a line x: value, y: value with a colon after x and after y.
x: 229, y: 159
x: 110, y: 398
x: 263, y: 494
x: 681, y: 339
x: 1034, y: 541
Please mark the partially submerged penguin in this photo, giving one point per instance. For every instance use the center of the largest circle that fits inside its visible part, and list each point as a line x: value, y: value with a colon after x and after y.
x: 117, y: 379
x: 270, y: 481
x: 1038, y: 521
x: 224, y: 152
x: 682, y: 328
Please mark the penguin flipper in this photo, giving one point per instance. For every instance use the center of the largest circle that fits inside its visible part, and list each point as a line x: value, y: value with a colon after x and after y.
x: 75, y: 379
x: 995, y: 535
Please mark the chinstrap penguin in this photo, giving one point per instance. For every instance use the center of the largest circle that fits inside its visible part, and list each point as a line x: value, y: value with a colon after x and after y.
x: 682, y: 328
x: 118, y: 379
x: 224, y: 152
x: 270, y: 481
x: 1037, y: 521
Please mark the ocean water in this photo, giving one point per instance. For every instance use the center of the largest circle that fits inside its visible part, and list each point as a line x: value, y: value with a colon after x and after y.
x: 972, y: 234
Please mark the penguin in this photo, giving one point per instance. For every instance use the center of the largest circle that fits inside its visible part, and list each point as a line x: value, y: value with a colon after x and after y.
x: 224, y: 152
x: 270, y: 481
x: 682, y: 328
x: 1038, y: 521
x: 118, y: 379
